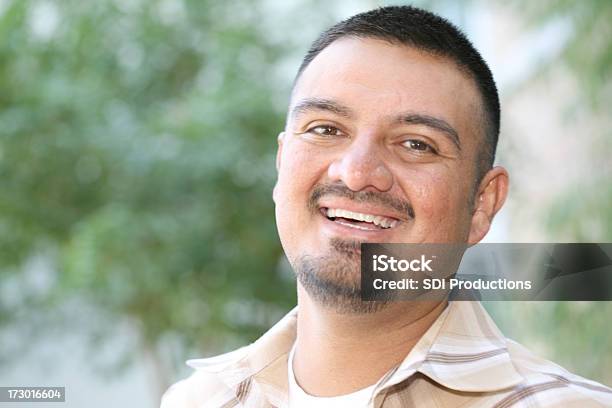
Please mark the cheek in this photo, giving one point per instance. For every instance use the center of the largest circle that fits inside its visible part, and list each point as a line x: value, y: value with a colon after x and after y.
x: 299, y: 171
x: 439, y: 199
x: 431, y: 196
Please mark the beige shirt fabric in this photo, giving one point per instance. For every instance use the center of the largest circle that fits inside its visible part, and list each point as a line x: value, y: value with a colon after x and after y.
x: 463, y: 360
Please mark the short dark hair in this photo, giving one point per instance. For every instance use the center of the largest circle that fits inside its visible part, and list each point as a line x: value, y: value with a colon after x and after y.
x: 423, y: 30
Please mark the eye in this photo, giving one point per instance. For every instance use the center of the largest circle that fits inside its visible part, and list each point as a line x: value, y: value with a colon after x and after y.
x: 419, y: 146
x: 325, y: 130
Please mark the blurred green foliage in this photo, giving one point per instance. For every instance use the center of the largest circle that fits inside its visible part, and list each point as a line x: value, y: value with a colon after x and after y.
x: 584, y: 211
x: 576, y: 335
x: 588, y: 50
x: 137, y: 152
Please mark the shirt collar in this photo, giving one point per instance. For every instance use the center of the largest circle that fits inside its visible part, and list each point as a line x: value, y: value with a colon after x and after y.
x: 265, y: 361
x: 463, y: 350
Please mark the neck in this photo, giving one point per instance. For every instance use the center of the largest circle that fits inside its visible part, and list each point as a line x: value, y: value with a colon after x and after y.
x: 339, y: 353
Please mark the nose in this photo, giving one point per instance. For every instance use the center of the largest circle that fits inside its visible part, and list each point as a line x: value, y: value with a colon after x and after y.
x: 361, y: 166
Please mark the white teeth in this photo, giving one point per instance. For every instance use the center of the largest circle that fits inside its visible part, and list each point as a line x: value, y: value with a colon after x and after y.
x: 381, y: 221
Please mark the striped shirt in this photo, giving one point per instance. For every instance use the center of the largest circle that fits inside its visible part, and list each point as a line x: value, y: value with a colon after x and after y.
x: 462, y: 360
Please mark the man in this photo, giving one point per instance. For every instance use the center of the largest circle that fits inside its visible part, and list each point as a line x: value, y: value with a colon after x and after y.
x: 390, y: 137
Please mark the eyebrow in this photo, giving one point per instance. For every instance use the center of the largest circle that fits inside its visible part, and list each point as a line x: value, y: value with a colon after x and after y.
x: 432, y: 122
x: 411, y: 118
x: 321, y: 104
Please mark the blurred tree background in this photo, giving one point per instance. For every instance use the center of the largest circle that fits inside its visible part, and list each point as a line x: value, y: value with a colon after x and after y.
x: 138, y: 160
x: 575, y: 335
x: 137, y: 143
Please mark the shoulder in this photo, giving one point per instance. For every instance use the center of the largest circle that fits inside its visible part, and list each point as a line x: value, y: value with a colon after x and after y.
x: 211, y: 384
x: 193, y: 391
x: 189, y: 391
x: 547, y: 384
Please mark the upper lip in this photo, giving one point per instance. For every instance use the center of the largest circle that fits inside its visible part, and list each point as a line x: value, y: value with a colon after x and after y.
x: 364, y: 208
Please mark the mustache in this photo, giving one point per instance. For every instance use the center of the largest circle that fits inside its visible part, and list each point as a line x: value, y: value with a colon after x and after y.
x: 374, y: 197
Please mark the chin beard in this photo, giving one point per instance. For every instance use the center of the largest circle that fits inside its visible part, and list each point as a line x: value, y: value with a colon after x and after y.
x: 334, y: 280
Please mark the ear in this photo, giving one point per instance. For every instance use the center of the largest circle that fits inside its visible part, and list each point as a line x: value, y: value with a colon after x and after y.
x: 489, y: 200
x: 280, y: 138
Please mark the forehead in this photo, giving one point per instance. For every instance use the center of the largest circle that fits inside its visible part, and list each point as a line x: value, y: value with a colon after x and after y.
x: 378, y: 79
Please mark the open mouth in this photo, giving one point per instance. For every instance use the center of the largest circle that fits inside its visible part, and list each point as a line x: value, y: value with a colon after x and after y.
x: 361, y: 221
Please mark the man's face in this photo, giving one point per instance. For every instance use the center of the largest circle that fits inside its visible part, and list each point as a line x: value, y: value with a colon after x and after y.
x: 381, y: 145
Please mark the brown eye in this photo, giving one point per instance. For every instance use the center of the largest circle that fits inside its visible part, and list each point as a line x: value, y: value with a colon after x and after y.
x: 419, y: 146
x: 325, y: 130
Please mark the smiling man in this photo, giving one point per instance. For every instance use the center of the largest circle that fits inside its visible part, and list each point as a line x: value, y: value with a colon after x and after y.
x: 390, y: 138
